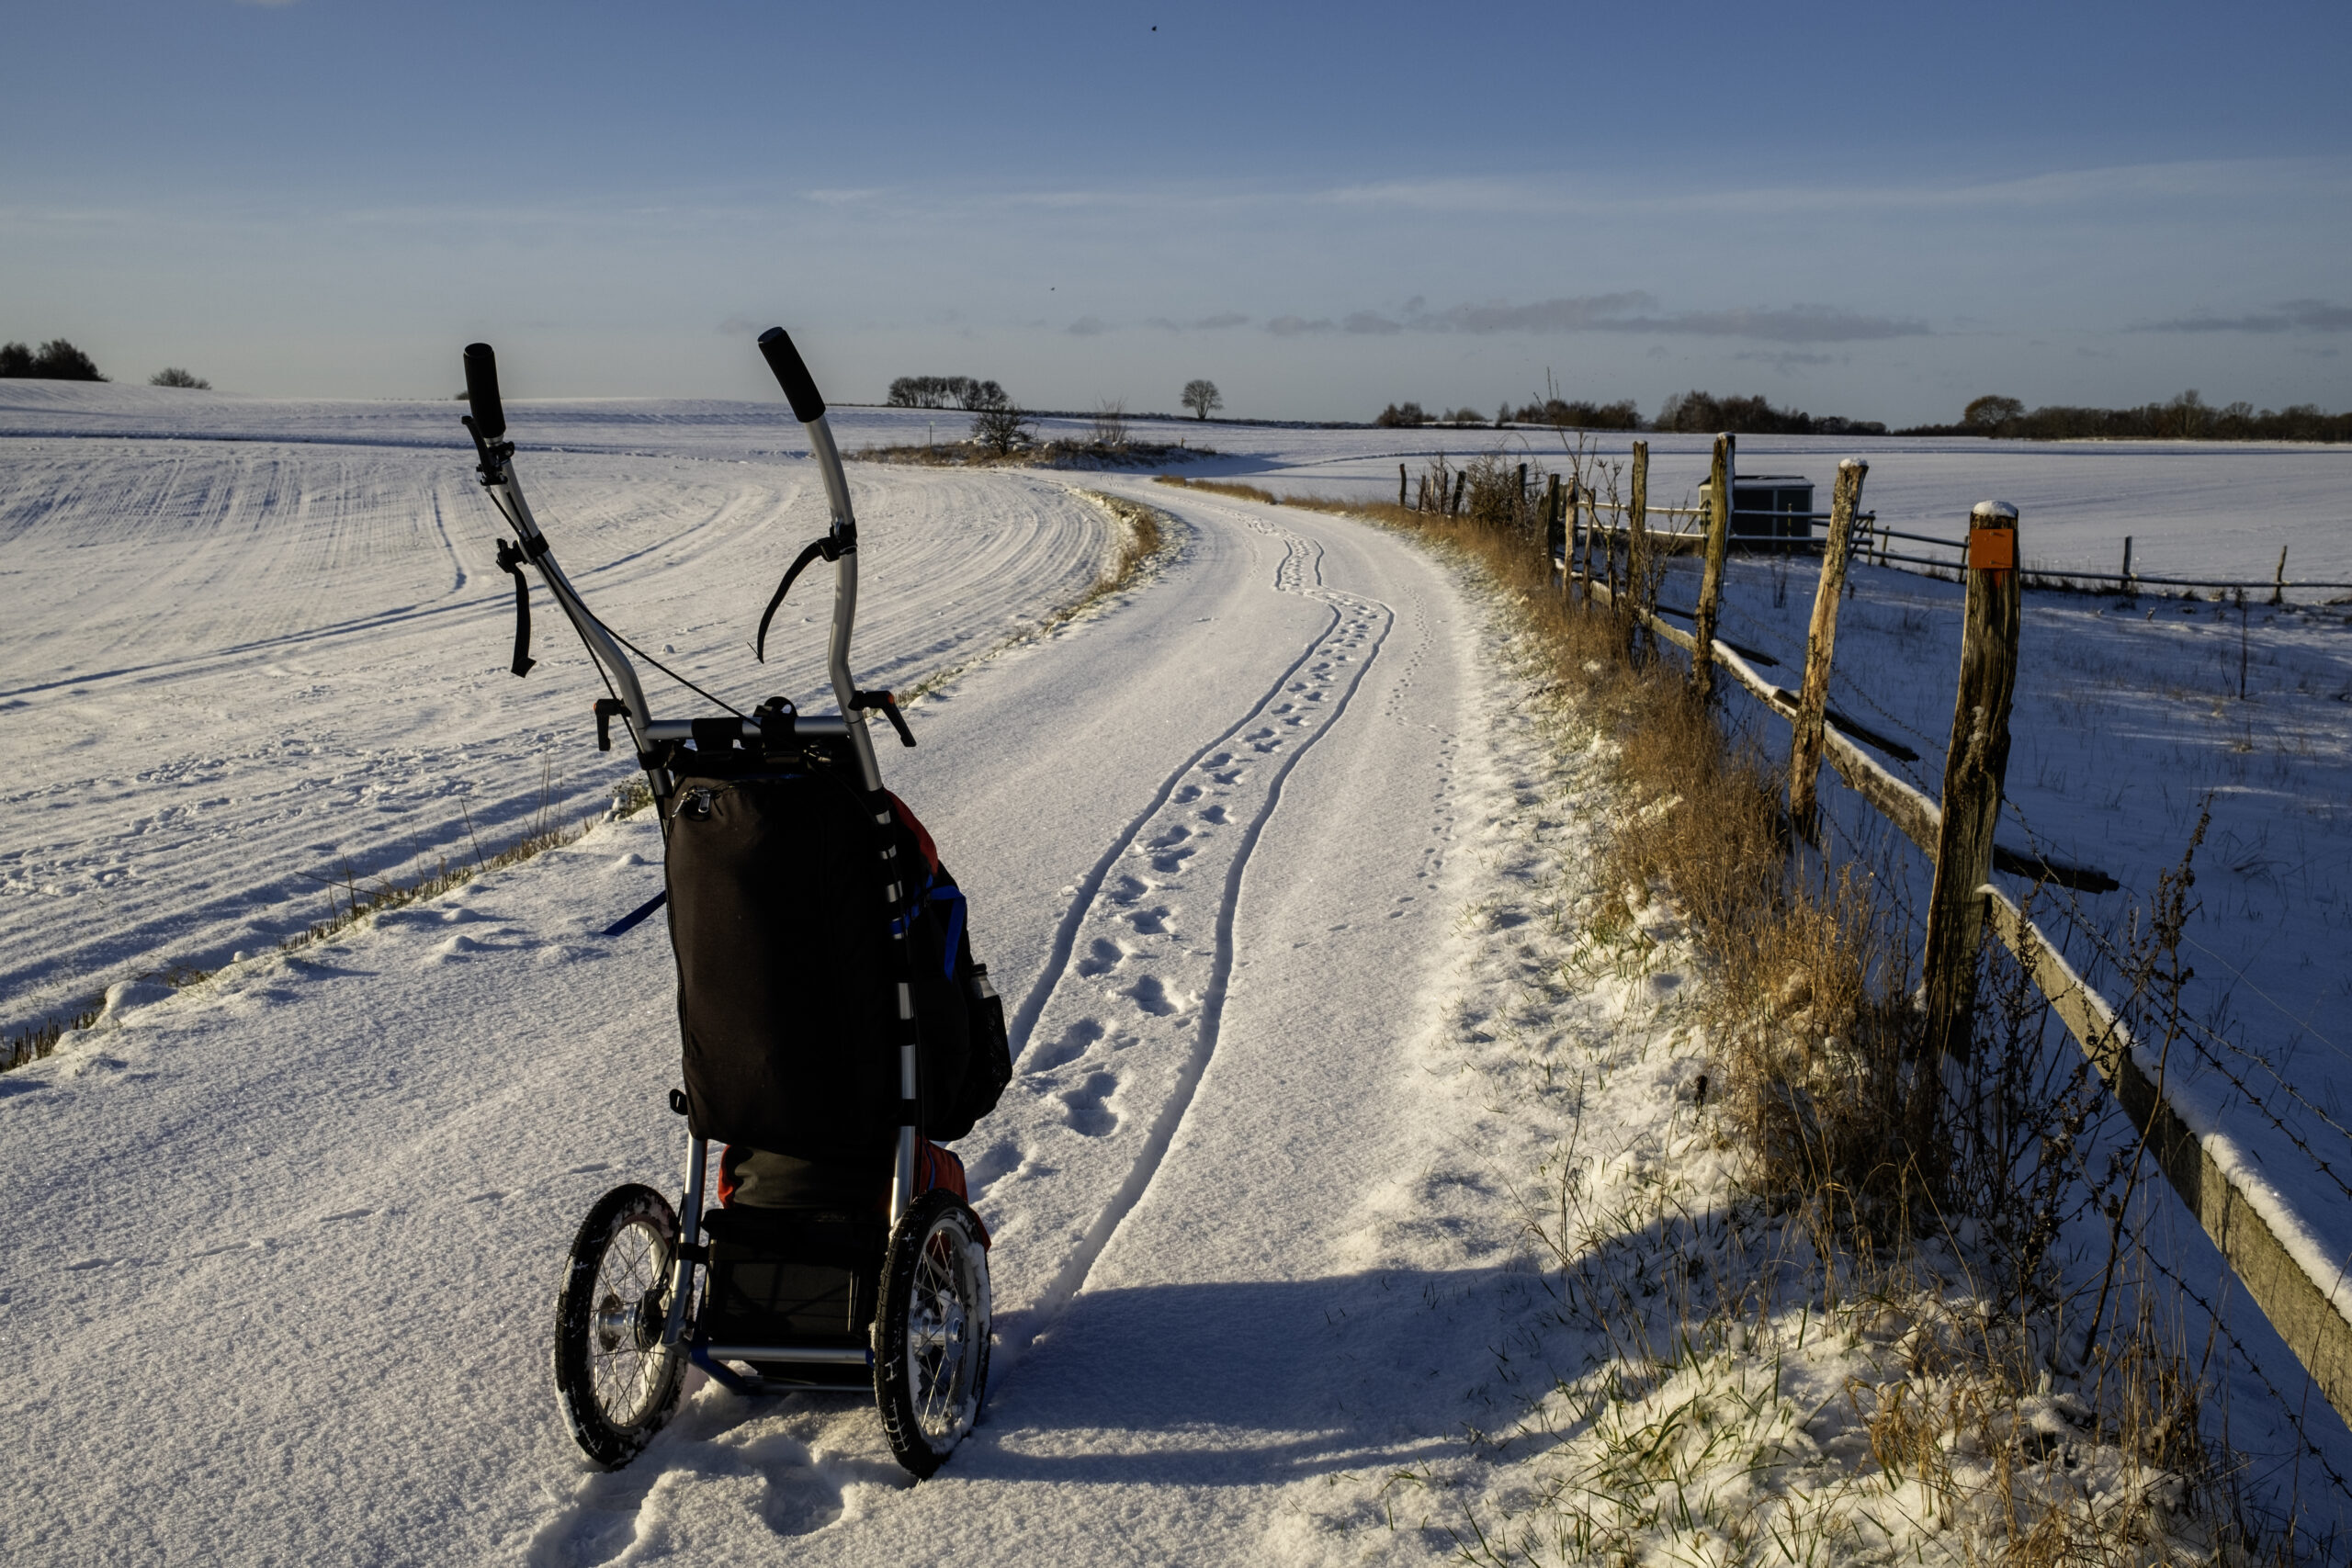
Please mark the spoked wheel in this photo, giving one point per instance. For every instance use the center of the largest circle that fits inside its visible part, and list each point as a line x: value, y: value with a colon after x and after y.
x: 930, y: 1364
x: 617, y: 1387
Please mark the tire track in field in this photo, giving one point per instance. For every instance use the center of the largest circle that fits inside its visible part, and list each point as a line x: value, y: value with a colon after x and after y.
x: 1116, y: 1035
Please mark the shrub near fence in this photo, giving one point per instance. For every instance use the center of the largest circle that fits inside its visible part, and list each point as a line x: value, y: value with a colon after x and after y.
x: 2280, y: 1263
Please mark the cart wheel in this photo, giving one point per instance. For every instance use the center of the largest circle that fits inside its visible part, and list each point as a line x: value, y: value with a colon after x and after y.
x: 930, y: 1363
x: 617, y: 1387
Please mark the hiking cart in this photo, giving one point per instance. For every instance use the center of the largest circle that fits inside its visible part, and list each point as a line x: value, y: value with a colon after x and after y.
x: 833, y: 1025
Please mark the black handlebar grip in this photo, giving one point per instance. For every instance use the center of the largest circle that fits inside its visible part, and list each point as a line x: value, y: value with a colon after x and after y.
x: 481, y: 391
x: 799, y: 387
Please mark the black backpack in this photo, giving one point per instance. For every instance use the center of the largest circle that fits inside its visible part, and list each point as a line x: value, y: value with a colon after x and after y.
x: 781, y: 926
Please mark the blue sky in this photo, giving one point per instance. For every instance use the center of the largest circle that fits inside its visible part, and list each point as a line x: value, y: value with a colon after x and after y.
x: 1875, y: 210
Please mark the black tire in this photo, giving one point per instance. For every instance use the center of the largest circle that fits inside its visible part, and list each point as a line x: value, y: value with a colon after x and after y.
x: 616, y: 1387
x: 930, y: 1352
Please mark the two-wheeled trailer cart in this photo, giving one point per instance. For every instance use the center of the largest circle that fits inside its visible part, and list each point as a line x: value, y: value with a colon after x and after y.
x: 843, y: 1288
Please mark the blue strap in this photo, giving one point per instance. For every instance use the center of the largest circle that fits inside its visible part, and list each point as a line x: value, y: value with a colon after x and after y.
x: 638, y: 914
x: 954, y: 899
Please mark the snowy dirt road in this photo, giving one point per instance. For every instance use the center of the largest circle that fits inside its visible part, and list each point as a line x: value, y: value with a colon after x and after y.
x: 277, y: 1284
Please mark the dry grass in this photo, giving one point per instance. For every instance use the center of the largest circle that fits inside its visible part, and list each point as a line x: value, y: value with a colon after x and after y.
x: 1813, y: 1030
x: 1814, y: 1046
x: 1222, y: 487
x: 1100, y: 451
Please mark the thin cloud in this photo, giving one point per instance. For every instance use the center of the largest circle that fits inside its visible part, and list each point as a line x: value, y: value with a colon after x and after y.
x: 1798, y: 323
x: 1629, y: 310
x: 1088, y: 326
x: 2293, y: 316
x: 1218, y: 323
x: 1787, y: 361
x: 1583, y: 313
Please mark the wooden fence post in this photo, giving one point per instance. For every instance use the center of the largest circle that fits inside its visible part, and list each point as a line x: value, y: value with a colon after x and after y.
x: 1637, y: 541
x: 1711, y: 581
x: 2128, y: 593
x: 1820, y: 641
x: 1400, y: 487
x: 2278, y: 584
x: 1974, y: 767
x: 1459, y: 479
x: 1577, y: 496
x: 1555, y: 543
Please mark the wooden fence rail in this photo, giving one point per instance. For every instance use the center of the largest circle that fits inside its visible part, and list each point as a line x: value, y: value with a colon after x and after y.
x: 2283, y: 1265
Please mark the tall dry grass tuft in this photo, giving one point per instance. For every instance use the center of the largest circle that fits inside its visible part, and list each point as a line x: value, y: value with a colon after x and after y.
x: 1221, y: 486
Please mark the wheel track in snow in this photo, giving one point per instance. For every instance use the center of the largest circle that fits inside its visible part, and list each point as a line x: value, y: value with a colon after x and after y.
x: 1113, y: 1040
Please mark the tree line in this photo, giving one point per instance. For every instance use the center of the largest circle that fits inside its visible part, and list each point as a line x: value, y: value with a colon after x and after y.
x: 2187, y: 417
x: 946, y: 392
x: 58, y: 360
x: 1693, y: 412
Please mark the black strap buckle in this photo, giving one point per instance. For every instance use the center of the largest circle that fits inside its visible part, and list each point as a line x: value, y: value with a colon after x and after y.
x: 607, y: 710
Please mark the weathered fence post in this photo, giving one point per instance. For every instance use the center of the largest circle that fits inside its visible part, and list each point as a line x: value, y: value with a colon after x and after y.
x: 1820, y: 641
x: 1458, y: 478
x: 1584, y: 575
x: 1638, y: 545
x: 2278, y: 584
x: 1400, y: 486
x: 2128, y: 591
x: 1556, y: 544
x: 1973, y: 771
x: 1711, y: 581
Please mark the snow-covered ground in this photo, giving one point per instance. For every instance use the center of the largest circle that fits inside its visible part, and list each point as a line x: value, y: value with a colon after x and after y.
x: 237, y: 668
x: 1270, y: 856
x: 1218, y: 840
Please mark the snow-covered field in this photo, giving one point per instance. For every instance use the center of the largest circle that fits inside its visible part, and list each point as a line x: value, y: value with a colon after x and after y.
x: 238, y: 667
x: 1271, y: 857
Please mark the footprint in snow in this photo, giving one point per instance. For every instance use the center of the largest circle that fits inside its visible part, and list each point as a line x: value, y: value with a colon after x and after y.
x: 1152, y: 922
x: 347, y: 1214
x: 1102, y: 958
x: 589, y: 1169
x: 1151, y: 996
x: 1088, y: 1115
x: 1073, y: 1043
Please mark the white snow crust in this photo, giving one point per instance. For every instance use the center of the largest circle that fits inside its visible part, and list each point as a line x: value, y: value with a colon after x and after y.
x: 1271, y: 857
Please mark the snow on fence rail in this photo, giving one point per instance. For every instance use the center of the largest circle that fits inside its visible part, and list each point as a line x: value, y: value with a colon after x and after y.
x: 2285, y: 1267
x: 1871, y: 540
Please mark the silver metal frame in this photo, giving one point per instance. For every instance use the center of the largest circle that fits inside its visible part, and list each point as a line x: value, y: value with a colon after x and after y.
x: 507, y: 495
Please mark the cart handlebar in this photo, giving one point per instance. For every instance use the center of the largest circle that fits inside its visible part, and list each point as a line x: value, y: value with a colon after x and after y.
x: 791, y: 374
x: 481, y: 391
